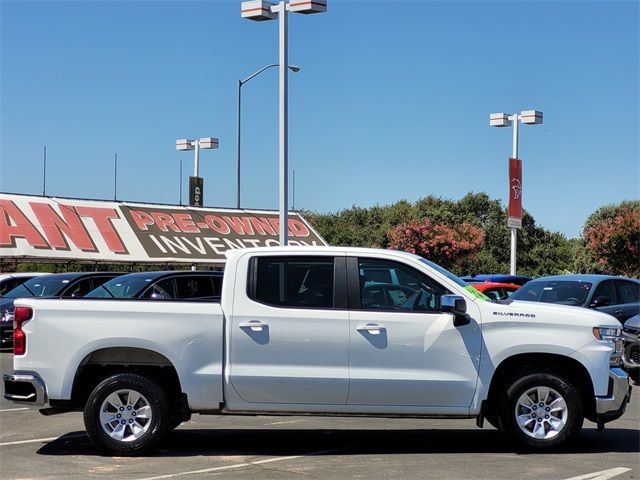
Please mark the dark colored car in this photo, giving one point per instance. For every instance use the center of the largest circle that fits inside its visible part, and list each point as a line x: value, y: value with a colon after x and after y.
x: 62, y: 285
x: 9, y: 281
x: 497, y: 278
x: 617, y: 296
x: 170, y: 285
x: 631, y: 355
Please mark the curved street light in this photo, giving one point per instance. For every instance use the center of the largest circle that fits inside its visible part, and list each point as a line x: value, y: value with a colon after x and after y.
x: 294, y: 69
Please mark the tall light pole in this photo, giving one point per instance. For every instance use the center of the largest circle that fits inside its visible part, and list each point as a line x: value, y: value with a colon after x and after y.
x: 514, y: 221
x: 196, y: 184
x: 261, y: 10
x: 293, y: 68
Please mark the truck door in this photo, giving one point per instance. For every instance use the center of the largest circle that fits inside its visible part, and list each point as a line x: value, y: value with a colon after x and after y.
x: 289, y: 338
x: 403, y: 350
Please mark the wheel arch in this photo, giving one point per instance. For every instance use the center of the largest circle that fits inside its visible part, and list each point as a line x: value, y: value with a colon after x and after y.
x: 567, y: 367
x: 104, y: 362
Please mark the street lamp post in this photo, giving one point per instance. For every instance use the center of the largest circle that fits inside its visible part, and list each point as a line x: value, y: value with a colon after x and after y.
x: 261, y: 10
x: 196, y: 184
x: 293, y: 68
x: 514, y: 221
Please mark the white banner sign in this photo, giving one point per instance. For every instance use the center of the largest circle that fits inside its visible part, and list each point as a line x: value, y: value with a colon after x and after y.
x: 50, y: 228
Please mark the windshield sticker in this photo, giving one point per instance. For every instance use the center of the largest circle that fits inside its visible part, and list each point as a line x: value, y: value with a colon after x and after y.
x: 477, y: 293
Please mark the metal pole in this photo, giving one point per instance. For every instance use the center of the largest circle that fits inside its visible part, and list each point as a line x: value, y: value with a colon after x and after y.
x: 283, y: 127
x: 238, y: 163
x: 196, y: 144
x: 115, y: 176
x: 514, y: 231
x: 180, y: 181
x: 44, y: 173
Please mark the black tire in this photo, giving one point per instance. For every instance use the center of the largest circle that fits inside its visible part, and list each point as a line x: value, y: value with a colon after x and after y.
x: 140, y: 434
x: 174, y: 422
x: 634, y: 374
x: 541, y: 411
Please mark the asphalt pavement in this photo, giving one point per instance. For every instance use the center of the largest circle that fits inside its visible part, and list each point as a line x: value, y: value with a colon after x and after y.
x: 266, y: 447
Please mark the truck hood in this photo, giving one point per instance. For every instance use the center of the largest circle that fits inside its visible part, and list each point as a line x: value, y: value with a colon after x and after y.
x: 550, y: 313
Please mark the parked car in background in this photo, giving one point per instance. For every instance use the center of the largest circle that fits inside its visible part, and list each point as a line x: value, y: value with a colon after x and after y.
x: 495, y: 290
x: 631, y: 355
x: 9, y: 281
x: 617, y: 296
x: 169, y: 285
x: 63, y: 285
x: 497, y: 278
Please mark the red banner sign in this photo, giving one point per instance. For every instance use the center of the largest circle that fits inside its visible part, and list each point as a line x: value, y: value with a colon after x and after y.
x: 515, y: 193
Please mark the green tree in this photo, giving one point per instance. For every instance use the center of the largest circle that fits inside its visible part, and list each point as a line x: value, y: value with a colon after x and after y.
x: 446, y: 245
x: 539, y: 251
x: 612, y: 237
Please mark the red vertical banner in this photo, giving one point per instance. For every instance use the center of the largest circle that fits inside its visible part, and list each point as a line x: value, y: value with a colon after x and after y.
x: 515, y: 193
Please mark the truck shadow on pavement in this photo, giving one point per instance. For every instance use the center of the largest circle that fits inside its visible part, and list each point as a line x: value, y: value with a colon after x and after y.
x: 187, y: 442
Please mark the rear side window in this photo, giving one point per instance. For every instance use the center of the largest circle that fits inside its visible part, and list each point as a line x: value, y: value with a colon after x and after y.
x: 198, y: 287
x: 299, y: 282
x: 628, y: 292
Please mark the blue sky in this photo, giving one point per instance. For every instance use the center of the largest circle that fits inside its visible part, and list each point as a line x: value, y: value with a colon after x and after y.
x: 392, y: 102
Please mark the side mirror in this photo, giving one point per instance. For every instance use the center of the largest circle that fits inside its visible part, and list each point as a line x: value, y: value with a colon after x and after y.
x: 456, y: 305
x: 601, y: 301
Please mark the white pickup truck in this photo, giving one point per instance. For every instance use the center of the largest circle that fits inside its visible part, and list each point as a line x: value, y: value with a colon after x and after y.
x: 322, y: 331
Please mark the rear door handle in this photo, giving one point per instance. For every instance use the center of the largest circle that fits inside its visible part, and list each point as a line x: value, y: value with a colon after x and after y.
x: 372, y: 329
x: 618, y: 312
x: 254, y: 325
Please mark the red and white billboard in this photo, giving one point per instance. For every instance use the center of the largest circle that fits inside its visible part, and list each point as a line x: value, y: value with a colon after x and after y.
x: 515, y: 193
x: 62, y: 229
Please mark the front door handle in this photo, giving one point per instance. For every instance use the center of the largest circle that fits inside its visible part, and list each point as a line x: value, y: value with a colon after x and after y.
x: 254, y: 325
x: 371, y: 328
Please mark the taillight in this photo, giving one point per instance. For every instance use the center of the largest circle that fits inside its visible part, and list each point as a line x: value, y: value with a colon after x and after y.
x: 20, y: 316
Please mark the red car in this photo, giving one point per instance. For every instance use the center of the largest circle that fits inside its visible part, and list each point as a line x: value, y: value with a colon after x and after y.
x: 494, y: 290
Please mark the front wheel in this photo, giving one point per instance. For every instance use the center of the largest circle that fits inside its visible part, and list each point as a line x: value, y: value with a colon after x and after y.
x: 542, y: 411
x: 126, y: 414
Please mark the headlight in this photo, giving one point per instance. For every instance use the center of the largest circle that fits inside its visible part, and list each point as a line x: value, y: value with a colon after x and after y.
x: 612, y: 336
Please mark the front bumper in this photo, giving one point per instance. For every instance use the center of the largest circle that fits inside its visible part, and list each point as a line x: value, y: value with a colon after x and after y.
x: 614, y: 404
x: 25, y: 387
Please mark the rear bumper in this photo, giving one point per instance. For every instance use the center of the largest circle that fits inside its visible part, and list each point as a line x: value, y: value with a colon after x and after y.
x: 613, y: 405
x: 25, y: 387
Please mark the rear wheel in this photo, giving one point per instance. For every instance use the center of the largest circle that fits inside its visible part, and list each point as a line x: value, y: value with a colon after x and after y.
x: 542, y: 411
x: 126, y: 414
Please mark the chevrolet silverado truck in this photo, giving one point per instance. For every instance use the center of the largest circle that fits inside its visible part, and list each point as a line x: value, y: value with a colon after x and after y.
x: 321, y: 331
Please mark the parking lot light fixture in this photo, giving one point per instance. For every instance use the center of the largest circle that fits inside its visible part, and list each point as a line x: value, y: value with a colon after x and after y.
x: 293, y: 68
x: 208, y: 143
x: 528, y: 117
x: 261, y: 10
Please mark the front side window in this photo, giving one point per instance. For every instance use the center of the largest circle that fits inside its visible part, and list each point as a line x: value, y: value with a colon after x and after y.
x: 300, y: 282
x: 79, y: 289
x: 387, y: 285
x: 163, y: 290
x: 605, y: 289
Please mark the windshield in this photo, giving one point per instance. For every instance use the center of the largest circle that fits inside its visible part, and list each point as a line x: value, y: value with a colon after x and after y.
x: 562, y: 292
x: 129, y: 286
x: 39, y: 287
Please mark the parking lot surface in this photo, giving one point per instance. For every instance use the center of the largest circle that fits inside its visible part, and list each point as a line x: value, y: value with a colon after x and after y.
x: 243, y: 447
